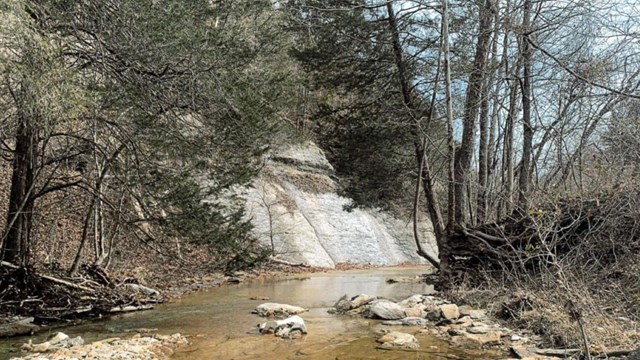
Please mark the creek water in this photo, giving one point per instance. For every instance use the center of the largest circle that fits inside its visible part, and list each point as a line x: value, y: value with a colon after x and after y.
x: 220, y: 325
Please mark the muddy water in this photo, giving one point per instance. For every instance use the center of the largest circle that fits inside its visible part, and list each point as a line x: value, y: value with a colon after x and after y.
x: 221, y: 326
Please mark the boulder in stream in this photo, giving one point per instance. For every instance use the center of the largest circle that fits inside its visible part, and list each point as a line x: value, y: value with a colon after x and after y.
x: 396, y: 339
x: 344, y: 304
x: 411, y: 301
x: 289, y: 328
x: 450, y: 311
x: 59, y: 341
x: 408, y: 321
x: 275, y: 309
x: 387, y: 310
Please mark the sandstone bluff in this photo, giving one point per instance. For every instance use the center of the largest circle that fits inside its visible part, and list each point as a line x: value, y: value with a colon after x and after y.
x: 295, y: 203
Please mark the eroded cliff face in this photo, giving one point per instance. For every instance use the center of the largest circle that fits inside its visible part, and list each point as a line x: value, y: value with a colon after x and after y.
x: 294, y: 207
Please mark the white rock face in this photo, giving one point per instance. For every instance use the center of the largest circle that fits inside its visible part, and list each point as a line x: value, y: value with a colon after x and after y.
x: 294, y: 205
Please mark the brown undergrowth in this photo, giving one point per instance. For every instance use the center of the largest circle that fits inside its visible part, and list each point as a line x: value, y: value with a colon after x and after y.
x: 565, y: 260
x: 543, y: 311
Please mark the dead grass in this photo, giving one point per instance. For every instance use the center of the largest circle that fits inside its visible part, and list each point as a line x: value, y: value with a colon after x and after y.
x: 541, y: 310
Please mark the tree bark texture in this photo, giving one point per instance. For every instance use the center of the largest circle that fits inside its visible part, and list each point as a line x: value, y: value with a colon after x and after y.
x: 471, y: 109
x: 15, y: 246
x: 527, y: 128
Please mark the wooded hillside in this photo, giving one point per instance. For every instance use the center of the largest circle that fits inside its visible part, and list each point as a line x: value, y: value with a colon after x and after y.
x: 514, y: 124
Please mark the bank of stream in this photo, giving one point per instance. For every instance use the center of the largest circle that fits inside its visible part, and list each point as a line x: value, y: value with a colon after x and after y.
x: 220, y: 325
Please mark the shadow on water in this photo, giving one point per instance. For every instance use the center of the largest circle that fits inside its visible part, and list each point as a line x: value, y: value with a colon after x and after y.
x: 220, y: 324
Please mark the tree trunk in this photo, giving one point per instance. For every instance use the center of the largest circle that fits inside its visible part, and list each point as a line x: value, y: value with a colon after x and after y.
x: 471, y: 109
x: 15, y: 247
x: 483, y: 156
x: 451, y: 198
x: 527, y: 131
x: 421, y: 158
x: 486, y: 132
x: 508, y: 164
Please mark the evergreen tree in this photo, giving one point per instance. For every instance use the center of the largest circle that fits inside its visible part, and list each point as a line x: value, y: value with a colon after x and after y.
x: 159, y: 105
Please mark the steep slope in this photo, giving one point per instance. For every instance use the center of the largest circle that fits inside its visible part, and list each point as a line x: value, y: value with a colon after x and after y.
x: 295, y: 208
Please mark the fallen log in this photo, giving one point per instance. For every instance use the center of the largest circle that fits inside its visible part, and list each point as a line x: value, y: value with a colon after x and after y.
x: 557, y: 352
x: 50, y: 278
x: 130, y: 308
x: 615, y: 353
x: 288, y: 263
x: 563, y: 353
x: 66, y: 283
x: 142, y: 289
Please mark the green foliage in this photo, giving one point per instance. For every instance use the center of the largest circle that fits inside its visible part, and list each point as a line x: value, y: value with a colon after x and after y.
x: 169, y: 103
x: 361, y: 117
x: 218, y: 224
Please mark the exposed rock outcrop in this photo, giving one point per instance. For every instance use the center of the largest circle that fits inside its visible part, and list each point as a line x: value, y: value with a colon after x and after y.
x: 294, y: 207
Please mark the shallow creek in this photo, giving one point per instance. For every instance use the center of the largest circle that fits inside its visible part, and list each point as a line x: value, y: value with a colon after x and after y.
x: 220, y: 325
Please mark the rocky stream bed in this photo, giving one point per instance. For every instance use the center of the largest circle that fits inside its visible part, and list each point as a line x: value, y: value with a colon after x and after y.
x: 255, y: 320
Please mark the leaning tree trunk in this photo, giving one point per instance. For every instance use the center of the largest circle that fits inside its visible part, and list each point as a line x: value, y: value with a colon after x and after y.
x: 424, y: 172
x: 15, y: 247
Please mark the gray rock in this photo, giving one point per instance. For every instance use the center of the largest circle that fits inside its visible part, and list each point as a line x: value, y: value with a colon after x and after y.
x: 465, y: 321
x: 275, y: 309
x: 433, y: 301
x: 411, y: 301
x: 392, y: 322
x: 292, y: 327
x: 450, y: 311
x: 343, y: 304
x: 414, y: 321
x: 386, y: 310
x: 465, y: 310
x: 18, y: 326
x: 634, y: 355
x: 269, y: 327
x: 361, y: 300
x: 397, y: 339
x: 76, y: 341
x: 479, y: 329
x: 58, y: 338
x: 467, y: 339
x: 434, y: 315
x: 522, y: 352
x: 478, y: 314
x: 58, y: 341
x: 454, y: 332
